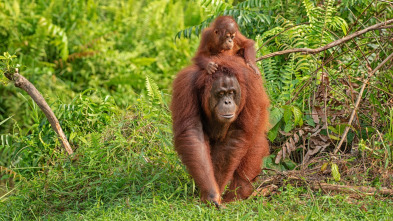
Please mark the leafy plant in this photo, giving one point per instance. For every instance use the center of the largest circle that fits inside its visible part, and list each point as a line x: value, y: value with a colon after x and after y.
x: 247, y: 15
x: 106, y: 68
x: 7, y: 65
x: 334, y: 170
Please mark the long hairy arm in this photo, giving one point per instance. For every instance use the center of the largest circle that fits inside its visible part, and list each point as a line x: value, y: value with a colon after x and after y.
x: 189, y: 137
x: 249, y: 51
x: 202, y: 56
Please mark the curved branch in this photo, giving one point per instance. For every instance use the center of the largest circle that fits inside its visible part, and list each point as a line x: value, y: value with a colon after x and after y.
x: 24, y: 84
x: 382, y: 25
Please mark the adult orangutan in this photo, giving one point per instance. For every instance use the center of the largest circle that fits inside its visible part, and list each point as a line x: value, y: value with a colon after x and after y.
x: 220, y: 123
x: 223, y: 37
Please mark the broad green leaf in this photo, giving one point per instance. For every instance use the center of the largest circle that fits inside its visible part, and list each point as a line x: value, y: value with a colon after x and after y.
x: 288, y: 127
x: 333, y: 137
x: 287, y: 114
x: 272, y: 134
x: 331, y: 128
x: 300, y: 122
x: 289, y: 164
x: 297, y: 113
x: 275, y: 116
x: 335, y: 173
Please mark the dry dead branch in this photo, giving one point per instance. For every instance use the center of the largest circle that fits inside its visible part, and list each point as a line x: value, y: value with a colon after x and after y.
x: 24, y: 84
x: 352, y: 189
x: 314, y: 181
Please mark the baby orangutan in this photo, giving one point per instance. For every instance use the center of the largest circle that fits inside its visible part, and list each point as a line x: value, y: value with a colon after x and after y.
x: 224, y: 38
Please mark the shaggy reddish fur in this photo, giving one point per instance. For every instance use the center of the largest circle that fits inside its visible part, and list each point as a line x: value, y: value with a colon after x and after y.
x: 210, y: 44
x: 237, y: 157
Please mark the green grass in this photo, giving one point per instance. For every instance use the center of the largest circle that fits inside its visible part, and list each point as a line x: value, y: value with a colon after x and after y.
x: 151, y: 204
x: 287, y: 206
x: 128, y: 170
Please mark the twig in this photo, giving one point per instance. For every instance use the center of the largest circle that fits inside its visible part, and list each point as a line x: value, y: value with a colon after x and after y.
x: 382, y: 25
x: 24, y: 84
x: 351, y: 189
x: 358, y: 102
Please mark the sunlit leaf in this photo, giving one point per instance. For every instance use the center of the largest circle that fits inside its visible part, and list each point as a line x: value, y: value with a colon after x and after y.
x: 333, y: 137
x: 335, y: 173
x: 297, y: 113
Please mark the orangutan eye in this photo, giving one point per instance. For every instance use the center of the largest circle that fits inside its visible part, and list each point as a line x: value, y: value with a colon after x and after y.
x: 221, y: 94
x: 232, y: 92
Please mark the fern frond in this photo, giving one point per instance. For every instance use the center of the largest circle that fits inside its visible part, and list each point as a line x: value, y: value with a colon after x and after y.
x: 153, y: 91
x: 251, y: 4
x: 245, y: 13
x: 196, y: 29
x: 287, y: 73
x: 149, y: 88
x: 59, y: 35
x: 310, y: 10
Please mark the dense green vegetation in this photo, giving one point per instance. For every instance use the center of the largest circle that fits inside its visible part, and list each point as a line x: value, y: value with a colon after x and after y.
x: 106, y: 67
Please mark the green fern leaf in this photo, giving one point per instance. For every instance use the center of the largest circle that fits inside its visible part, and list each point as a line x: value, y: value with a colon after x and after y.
x: 153, y: 91
x: 150, y: 91
x: 56, y: 32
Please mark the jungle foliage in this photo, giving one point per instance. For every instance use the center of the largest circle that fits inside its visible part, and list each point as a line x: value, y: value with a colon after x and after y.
x: 106, y: 67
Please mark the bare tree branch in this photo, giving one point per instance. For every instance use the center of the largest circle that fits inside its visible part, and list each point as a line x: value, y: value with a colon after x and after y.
x: 352, y: 189
x: 382, y: 25
x: 24, y: 84
x: 358, y: 102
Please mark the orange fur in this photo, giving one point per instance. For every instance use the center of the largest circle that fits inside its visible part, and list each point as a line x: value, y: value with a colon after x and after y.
x: 237, y: 157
